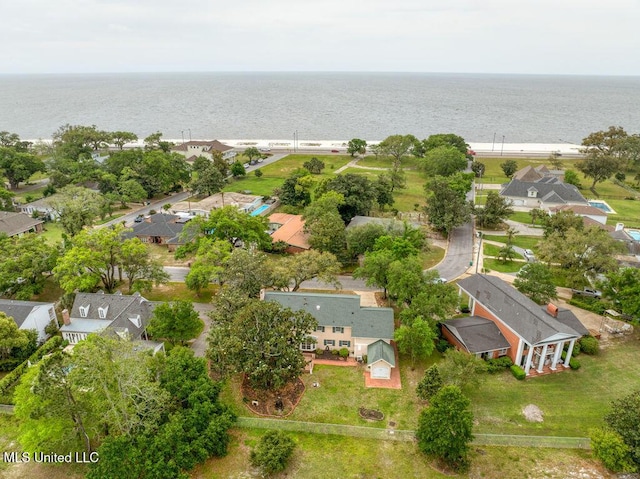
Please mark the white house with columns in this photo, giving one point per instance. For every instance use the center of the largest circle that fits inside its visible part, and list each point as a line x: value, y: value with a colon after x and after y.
x: 504, y: 322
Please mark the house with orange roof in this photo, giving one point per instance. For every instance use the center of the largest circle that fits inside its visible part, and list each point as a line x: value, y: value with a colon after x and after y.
x: 290, y: 229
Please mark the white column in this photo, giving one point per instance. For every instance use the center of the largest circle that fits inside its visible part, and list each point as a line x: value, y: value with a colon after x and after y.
x: 519, y: 352
x: 542, y: 357
x: 527, y: 366
x: 569, y: 352
x: 556, y: 355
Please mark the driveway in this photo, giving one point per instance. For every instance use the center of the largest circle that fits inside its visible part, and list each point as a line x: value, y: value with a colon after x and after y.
x: 199, y: 345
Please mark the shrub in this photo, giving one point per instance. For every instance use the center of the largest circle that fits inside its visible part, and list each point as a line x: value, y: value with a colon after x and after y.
x: 344, y: 353
x: 152, y: 212
x: 335, y: 352
x: 319, y: 351
x: 590, y: 304
x: 364, y: 358
x: 589, y: 345
x: 443, y: 345
x: 518, y: 372
x: 499, y: 364
x: 9, y: 364
x: 183, y: 250
x: 273, y: 452
x: 611, y: 449
x: 574, y: 364
x: 430, y: 384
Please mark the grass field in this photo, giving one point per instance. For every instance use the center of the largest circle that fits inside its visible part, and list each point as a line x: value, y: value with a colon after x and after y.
x: 497, y: 265
x: 275, y: 173
x: 524, y: 242
x: 493, y: 250
x: 52, y: 232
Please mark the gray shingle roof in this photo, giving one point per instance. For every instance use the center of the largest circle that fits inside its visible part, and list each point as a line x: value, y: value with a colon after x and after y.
x: 13, y: 224
x: 339, y: 310
x: 477, y: 334
x: 514, y: 309
x: 381, y: 350
x: 160, y: 224
x: 19, y: 310
x: 519, y: 189
x: 120, y: 309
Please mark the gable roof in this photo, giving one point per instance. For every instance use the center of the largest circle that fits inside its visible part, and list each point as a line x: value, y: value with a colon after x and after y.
x: 20, y: 310
x: 160, y: 224
x: 580, y: 210
x: 206, y: 145
x: 514, y: 309
x: 291, y: 230
x: 341, y: 310
x: 565, y: 192
x: 528, y: 173
x: 13, y: 224
x: 129, y: 314
x: 477, y: 334
x: 381, y: 350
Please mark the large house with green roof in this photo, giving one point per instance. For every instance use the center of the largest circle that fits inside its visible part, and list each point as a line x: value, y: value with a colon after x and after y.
x: 343, y: 323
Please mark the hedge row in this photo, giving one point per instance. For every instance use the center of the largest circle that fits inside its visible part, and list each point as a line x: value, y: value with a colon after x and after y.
x: 518, y: 372
x: 590, y: 304
x: 7, y: 382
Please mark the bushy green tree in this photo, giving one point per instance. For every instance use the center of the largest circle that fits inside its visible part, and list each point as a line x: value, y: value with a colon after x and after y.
x: 536, y: 281
x: 509, y: 167
x: 462, y: 369
x: 416, y: 340
x: 273, y: 452
x: 496, y: 209
x: 610, y: 448
x: 176, y: 322
x: 356, y: 146
x: 237, y: 169
x: 314, y: 166
x: 290, y: 272
x: 447, y: 206
x: 430, y: 384
x: 445, y: 428
x: 443, y: 161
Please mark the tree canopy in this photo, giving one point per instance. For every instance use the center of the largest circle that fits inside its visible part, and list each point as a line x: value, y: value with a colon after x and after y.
x: 357, y: 192
x: 443, y: 160
x: 495, y: 210
x: 447, y: 206
x: 231, y: 224
x: 176, y: 322
x: 536, y: 281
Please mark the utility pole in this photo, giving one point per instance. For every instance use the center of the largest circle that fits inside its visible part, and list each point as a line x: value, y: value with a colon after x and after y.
x: 502, y: 148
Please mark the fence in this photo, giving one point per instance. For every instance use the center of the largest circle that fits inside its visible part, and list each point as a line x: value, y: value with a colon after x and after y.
x: 406, y: 435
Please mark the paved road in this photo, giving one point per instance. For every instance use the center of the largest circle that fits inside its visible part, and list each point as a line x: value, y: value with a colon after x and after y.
x: 347, y: 282
x: 144, y: 210
x: 459, y: 253
x: 177, y: 274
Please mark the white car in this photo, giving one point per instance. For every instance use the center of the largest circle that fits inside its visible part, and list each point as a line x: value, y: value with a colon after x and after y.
x: 529, y: 256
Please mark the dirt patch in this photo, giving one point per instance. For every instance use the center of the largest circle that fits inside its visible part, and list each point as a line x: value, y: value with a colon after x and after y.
x: 370, y: 414
x: 533, y: 413
x: 273, y: 403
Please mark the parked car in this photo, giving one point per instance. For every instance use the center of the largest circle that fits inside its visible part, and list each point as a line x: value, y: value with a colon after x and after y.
x: 139, y: 219
x: 335, y: 151
x: 529, y: 256
x: 587, y: 292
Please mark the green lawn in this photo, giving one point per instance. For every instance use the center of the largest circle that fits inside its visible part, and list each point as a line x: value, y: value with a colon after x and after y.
x: 508, y: 267
x: 176, y: 291
x: 572, y: 401
x: 432, y: 257
x: 525, y: 242
x: 521, y: 217
x: 493, y: 250
x: 627, y: 212
x: 372, y: 161
x: 52, y: 232
x: 493, y: 172
x: 275, y: 173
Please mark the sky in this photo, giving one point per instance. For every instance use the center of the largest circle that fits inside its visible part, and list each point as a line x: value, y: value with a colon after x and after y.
x: 468, y: 36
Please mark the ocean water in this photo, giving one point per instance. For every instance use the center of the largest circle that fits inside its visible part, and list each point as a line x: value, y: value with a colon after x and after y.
x: 522, y: 108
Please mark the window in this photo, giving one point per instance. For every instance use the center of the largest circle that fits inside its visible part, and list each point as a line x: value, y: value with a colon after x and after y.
x: 329, y: 342
x: 102, y: 312
x: 346, y: 344
x: 309, y: 344
x: 320, y: 329
x: 136, y: 320
x: 502, y: 352
x: 338, y: 329
x: 84, y: 311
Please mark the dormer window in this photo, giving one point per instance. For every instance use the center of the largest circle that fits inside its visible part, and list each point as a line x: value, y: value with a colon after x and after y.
x: 136, y: 320
x: 102, y: 312
x: 84, y: 311
x: 533, y: 193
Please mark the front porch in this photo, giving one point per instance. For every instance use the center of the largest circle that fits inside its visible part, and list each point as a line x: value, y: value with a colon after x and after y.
x: 541, y: 359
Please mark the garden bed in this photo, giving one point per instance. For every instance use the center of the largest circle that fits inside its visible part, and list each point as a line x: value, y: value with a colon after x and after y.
x: 273, y: 403
x: 370, y: 414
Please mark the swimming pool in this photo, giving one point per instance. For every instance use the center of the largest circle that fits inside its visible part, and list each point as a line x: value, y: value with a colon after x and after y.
x: 259, y: 210
x: 601, y: 205
x: 635, y: 234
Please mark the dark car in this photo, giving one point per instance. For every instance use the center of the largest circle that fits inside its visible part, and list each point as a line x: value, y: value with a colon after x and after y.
x: 335, y: 151
x: 139, y: 219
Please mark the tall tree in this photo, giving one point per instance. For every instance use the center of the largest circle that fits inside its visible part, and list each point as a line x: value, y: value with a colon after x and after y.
x: 536, y: 281
x: 324, y: 224
x: 95, y: 256
x: 446, y: 207
x: 231, y: 224
x: 495, y: 210
x: 28, y: 261
x: 624, y: 419
x: 603, y: 154
x: 10, y: 336
x: 356, y: 146
x: 76, y: 207
x: 314, y: 165
x: 357, y: 191
x: 462, y: 369
x: 139, y: 267
x: 446, y: 139
x: 509, y: 167
x: 375, y: 269
x: 583, y: 254
x: 623, y: 288
x: 251, y: 153
x: 262, y: 340
x: 405, y: 279
x: 445, y: 428
x: 209, y: 263
x: 296, y: 189
x: 430, y: 384
x: 208, y: 181
x: 397, y: 147
x: 416, y: 340
x: 443, y: 161
x: 561, y: 222
x: 237, y: 169
x: 120, y: 138
x: 290, y: 272
x: 247, y: 271
x: 176, y: 322
x: 18, y: 166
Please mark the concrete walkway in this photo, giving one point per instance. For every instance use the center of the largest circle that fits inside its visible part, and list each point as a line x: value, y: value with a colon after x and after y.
x: 354, y: 164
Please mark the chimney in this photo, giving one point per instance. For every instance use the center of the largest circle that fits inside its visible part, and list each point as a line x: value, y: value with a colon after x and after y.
x: 552, y: 309
x: 66, y: 319
x: 619, y: 226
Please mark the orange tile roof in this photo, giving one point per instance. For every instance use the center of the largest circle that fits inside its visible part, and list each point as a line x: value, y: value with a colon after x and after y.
x: 291, y: 231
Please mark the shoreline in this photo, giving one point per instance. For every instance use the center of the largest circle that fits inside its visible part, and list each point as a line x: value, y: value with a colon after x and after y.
x: 482, y: 149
